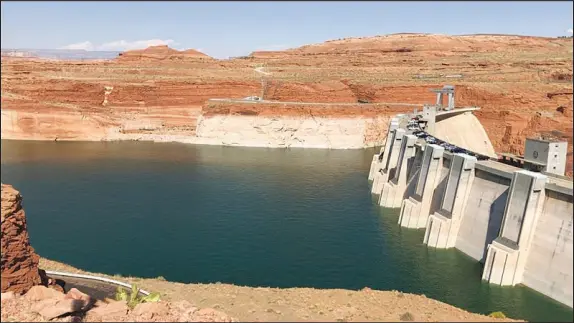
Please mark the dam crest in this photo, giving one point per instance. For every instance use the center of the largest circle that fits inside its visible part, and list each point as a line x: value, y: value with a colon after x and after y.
x: 516, y: 221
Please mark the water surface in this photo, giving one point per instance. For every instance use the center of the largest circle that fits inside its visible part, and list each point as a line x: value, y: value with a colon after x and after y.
x: 247, y: 216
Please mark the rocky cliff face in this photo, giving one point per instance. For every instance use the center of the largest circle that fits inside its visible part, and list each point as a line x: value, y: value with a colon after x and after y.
x: 19, y: 261
x: 332, y: 126
x: 522, y: 84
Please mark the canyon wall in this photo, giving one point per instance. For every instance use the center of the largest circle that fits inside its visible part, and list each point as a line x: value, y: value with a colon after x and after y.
x: 288, y: 125
x: 523, y: 86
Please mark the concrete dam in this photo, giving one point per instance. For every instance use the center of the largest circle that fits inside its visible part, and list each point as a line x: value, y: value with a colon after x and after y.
x: 516, y: 219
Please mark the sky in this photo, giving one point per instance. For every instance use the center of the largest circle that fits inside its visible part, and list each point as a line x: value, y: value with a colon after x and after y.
x: 228, y: 29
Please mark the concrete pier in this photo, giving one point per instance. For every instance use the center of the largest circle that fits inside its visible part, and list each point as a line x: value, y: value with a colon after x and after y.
x: 507, y: 255
x: 380, y: 159
x: 390, y: 158
x: 443, y: 226
x: 392, y: 193
x: 416, y: 208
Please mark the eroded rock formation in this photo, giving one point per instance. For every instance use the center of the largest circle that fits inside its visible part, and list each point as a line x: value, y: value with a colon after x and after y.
x: 20, y: 270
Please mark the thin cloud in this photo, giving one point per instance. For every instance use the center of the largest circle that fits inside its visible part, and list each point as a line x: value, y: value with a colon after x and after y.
x: 121, y: 45
x: 79, y: 46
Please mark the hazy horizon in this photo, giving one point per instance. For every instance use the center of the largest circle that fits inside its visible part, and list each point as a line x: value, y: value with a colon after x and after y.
x: 227, y: 29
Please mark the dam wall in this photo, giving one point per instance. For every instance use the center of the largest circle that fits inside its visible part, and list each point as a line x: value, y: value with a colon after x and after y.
x: 516, y: 222
x: 482, y: 214
x: 549, y: 265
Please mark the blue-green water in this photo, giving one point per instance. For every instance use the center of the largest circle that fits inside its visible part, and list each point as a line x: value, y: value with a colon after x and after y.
x: 247, y: 216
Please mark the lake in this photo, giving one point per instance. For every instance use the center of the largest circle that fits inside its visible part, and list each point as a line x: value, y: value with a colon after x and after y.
x: 246, y: 216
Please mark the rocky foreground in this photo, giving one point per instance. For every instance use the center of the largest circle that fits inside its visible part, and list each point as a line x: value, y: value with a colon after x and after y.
x: 41, y: 304
x: 28, y: 295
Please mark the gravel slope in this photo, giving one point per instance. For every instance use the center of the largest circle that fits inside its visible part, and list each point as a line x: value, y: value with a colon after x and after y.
x: 300, y: 304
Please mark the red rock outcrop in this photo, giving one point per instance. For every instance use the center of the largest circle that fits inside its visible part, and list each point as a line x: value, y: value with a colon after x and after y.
x: 19, y: 261
x: 161, y: 52
x: 41, y: 304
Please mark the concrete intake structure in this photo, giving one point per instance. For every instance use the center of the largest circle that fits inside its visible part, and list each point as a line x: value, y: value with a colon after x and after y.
x: 443, y: 226
x: 392, y: 191
x: 389, y: 164
x: 517, y: 222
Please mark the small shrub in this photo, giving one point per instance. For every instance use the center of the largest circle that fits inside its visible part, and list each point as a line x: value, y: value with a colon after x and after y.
x: 134, y: 298
x: 160, y: 278
x: 497, y: 315
x: 407, y: 317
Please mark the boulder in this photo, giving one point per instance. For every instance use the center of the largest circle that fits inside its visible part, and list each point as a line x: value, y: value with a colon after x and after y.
x: 110, y: 311
x: 86, y: 300
x: 149, y: 310
x: 54, y: 307
x: 40, y: 293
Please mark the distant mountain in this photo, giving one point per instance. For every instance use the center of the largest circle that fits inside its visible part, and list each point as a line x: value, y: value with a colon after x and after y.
x: 162, y: 52
x: 66, y: 54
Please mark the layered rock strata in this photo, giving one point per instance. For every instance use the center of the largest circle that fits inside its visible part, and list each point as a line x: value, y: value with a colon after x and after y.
x: 20, y: 270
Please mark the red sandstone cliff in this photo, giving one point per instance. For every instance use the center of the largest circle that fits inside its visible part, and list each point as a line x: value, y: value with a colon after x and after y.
x: 19, y: 261
x: 523, y: 85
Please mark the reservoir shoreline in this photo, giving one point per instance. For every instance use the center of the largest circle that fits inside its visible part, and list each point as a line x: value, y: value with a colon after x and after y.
x: 220, y: 205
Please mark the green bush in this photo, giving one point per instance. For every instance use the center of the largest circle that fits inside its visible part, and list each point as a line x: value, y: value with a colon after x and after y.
x: 134, y: 297
x: 497, y: 315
